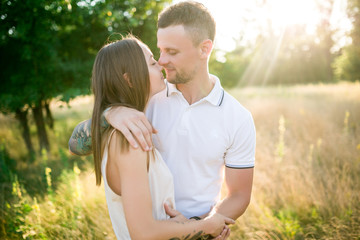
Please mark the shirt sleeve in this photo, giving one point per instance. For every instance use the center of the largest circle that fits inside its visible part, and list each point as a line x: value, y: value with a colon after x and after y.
x: 241, y: 153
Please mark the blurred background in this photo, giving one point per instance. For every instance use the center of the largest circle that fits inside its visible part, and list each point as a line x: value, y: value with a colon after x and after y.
x: 295, y: 64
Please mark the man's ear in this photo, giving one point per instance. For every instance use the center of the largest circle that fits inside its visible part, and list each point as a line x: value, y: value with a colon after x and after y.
x: 127, y: 79
x: 205, y: 48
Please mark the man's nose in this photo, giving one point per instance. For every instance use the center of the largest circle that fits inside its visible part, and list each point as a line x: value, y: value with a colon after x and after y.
x: 162, y: 59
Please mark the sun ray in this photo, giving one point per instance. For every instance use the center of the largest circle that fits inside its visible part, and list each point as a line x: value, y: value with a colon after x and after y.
x: 263, y: 62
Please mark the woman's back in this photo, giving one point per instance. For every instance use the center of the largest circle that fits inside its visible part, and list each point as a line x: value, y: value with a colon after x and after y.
x: 161, y: 189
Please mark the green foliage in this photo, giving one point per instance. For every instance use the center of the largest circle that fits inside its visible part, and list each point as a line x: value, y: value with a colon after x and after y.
x: 17, y: 212
x: 287, y: 55
x: 230, y: 71
x: 136, y: 16
x: 64, y: 158
x: 347, y: 65
x: 289, y: 224
x: 59, y: 215
x: 277, y: 59
x: 27, y: 48
x: 7, y: 164
x: 49, y: 48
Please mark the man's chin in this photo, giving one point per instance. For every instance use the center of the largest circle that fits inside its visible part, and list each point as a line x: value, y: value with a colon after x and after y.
x: 176, y: 79
x: 171, y: 79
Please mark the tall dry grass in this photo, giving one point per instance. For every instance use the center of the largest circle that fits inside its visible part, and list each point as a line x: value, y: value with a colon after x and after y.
x: 310, y: 189
x: 306, y: 182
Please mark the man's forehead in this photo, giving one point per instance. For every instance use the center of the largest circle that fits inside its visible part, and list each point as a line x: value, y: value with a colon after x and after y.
x: 172, y: 37
x: 167, y: 45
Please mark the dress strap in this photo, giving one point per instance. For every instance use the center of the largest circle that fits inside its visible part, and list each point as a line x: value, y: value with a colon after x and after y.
x: 108, y: 140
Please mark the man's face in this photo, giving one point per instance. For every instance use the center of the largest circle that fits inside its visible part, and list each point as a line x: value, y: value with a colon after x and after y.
x: 178, y: 55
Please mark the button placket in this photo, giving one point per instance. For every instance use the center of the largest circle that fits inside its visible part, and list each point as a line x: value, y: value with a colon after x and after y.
x: 184, y: 122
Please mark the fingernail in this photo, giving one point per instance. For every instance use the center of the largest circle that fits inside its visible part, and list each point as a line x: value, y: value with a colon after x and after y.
x: 136, y: 146
x: 147, y: 149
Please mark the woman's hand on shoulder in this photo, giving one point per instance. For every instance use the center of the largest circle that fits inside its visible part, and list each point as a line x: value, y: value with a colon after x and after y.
x: 133, y: 124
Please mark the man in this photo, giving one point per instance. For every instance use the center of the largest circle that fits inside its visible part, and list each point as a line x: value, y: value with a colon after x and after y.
x: 201, y: 128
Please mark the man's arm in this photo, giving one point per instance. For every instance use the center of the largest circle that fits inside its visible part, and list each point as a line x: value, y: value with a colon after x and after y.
x: 239, y: 170
x: 130, y: 122
x: 239, y: 184
x: 80, y: 140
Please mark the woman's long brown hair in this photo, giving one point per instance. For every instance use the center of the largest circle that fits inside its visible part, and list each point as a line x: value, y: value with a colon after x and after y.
x: 113, y: 62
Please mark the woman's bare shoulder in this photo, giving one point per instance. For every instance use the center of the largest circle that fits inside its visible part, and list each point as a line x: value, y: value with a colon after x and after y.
x: 120, y: 150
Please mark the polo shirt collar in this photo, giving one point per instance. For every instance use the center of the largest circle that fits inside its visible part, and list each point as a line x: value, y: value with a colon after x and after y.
x: 171, y: 88
x: 215, y: 97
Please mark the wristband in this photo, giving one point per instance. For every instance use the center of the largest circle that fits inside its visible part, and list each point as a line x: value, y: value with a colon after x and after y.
x: 196, y: 218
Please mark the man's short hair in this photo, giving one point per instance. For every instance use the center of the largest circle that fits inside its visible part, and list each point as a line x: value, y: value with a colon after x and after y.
x: 195, y: 18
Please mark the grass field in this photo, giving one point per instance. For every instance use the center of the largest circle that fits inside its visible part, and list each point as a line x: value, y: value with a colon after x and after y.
x: 306, y: 183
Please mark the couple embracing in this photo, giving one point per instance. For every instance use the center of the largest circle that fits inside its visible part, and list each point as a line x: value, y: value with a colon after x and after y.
x: 165, y: 147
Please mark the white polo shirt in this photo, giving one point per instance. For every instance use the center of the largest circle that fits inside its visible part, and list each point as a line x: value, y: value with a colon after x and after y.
x: 196, y: 141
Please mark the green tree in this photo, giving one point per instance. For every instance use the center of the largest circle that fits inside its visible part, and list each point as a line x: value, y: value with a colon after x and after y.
x: 231, y: 68
x: 48, y: 47
x: 347, y: 65
x: 28, y: 61
x: 287, y: 54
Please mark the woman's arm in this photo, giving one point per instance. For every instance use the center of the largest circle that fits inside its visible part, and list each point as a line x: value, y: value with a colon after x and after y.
x: 136, y: 197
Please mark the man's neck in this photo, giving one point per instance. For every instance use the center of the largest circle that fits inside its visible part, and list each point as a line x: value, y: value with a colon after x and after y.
x: 196, y: 89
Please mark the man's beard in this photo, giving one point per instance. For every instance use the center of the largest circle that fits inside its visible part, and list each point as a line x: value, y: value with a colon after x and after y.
x: 181, y: 77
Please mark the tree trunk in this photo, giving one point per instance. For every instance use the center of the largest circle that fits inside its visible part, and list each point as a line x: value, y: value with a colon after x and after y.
x: 21, y: 116
x: 49, y: 118
x: 40, y: 125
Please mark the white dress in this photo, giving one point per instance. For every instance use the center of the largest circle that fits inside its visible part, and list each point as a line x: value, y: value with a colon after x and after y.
x: 161, y: 189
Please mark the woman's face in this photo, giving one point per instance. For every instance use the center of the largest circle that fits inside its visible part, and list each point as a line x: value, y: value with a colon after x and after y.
x: 157, y: 83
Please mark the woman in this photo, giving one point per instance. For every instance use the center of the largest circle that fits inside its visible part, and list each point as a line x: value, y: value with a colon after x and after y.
x: 137, y: 183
